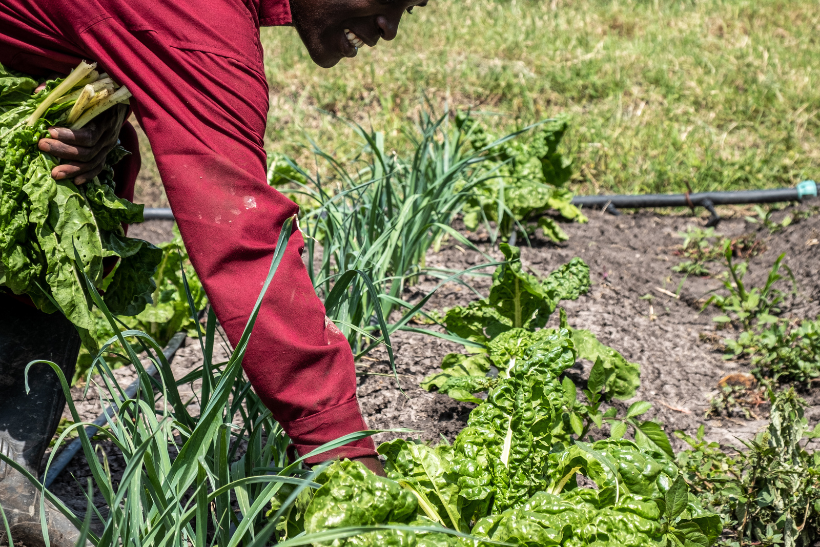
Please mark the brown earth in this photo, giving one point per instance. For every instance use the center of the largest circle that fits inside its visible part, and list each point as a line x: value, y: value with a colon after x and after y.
x: 630, y: 258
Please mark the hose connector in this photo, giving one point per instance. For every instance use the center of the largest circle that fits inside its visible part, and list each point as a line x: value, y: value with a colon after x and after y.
x: 807, y: 188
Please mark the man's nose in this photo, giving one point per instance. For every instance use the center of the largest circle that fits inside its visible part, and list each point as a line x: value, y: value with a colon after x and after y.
x: 388, y: 26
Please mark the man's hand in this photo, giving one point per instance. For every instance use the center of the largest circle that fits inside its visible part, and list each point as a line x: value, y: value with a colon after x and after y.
x: 83, y: 151
x: 373, y: 464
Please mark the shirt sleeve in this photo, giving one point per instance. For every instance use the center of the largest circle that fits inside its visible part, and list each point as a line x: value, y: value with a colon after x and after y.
x: 204, y: 111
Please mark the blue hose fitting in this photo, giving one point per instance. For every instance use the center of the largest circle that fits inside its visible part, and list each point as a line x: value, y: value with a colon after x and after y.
x: 807, y: 188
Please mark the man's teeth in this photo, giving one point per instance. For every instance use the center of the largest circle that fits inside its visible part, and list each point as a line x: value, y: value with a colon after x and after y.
x: 354, y: 40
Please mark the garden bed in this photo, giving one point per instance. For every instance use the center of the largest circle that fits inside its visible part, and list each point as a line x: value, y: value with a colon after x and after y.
x: 678, y: 347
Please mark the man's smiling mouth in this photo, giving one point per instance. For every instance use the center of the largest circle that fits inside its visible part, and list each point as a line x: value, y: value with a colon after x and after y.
x: 354, y: 40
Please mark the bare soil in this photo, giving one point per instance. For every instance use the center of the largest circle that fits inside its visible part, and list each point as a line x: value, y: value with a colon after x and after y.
x: 637, y: 305
x: 631, y: 257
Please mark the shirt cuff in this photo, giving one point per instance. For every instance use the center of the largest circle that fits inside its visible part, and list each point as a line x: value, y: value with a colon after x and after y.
x: 311, y: 432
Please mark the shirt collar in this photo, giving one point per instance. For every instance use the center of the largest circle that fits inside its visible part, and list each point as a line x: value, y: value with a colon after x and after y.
x: 274, y: 12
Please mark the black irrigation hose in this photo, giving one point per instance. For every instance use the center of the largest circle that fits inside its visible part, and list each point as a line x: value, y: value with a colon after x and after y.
x: 71, y: 450
x: 706, y: 199
x: 612, y: 203
x: 158, y: 214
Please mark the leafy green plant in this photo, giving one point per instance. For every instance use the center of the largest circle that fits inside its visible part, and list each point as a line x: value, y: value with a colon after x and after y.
x: 769, y: 494
x: 499, y: 329
x: 745, y: 305
x: 691, y: 267
x: 168, y: 313
x: 699, y: 250
x: 368, y: 232
x: 764, y: 218
x: 517, y: 474
x: 782, y: 349
x: 528, y: 178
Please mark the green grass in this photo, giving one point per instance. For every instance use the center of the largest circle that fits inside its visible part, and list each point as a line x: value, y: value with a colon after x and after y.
x: 719, y: 94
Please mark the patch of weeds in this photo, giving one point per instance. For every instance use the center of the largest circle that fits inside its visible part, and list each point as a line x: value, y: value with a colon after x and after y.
x: 736, y: 400
x: 783, y: 349
x: 702, y: 245
x: 698, y: 248
x: 806, y: 213
x: 770, y: 493
x: 764, y: 218
x: 690, y: 267
x: 743, y: 305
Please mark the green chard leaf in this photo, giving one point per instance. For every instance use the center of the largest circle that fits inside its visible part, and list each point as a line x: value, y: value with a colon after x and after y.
x: 133, y: 285
x: 461, y: 376
x: 427, y: 473
x: 353, y: 496
x: 518, y: 296
x: 15, y: 89
x: 625, y: 377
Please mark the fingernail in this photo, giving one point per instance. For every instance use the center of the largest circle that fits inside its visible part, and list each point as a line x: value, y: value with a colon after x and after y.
x: 53, y: 132
x: 44, y: 146
x: 59, y: 175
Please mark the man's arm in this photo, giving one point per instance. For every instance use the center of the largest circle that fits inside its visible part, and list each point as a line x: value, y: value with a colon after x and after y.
x: 204, y: 112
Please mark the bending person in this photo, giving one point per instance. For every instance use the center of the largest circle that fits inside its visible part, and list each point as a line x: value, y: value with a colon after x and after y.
x: 200, y: 93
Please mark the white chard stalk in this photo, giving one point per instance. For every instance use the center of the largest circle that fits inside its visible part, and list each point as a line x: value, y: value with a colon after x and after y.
x: 505, y: 451
x: 97, y: 99
x: 82, y: 102
x: 119, y: 96
x: 99, y: 85
x: 77, y: 76
x: 92, y: 77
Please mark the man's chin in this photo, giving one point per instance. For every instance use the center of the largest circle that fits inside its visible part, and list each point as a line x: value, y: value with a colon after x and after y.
x: 328, y: 63
x: 325, y: 58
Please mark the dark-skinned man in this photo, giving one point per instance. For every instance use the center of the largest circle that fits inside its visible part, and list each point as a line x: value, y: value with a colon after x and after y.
x: 195, y: 70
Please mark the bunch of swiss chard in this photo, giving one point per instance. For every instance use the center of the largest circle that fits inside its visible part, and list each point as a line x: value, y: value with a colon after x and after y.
x: 499, y: 329
x: 527, y: 179
x: 52, y: 232
x: 518, y: 474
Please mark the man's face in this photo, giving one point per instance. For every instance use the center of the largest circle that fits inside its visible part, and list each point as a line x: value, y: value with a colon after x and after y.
x: 332, y: 29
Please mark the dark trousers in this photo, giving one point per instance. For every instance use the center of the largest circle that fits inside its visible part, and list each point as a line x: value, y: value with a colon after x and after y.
x: 27, y: 334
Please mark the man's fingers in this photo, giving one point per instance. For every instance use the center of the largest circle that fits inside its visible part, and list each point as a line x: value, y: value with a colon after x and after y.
x: 64, y: 151
x: 86, y: 137
x: 89, y: 175
x: 72, y: 152
x: 80, y: 171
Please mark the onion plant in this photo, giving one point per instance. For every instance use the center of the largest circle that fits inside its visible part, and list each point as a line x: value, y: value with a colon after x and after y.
x: 185, y: 482
x: 368, y: 231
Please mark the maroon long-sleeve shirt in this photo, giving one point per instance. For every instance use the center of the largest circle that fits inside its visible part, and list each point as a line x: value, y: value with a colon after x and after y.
x: 196, y: 73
